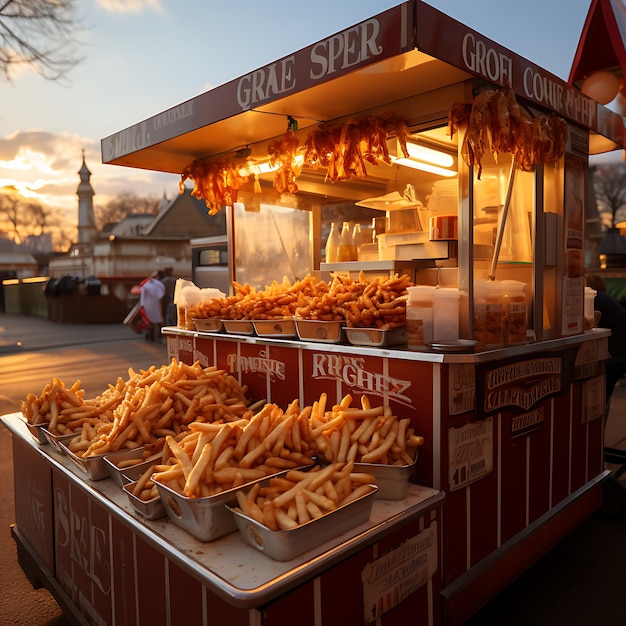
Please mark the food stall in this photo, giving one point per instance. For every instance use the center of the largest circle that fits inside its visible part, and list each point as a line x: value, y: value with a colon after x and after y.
x: 502, y: 377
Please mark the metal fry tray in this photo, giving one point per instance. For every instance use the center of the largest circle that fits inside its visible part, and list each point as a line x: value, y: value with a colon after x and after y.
x: 150, y: 509
x: 284, y: 545
x: 36, y: 430
x: 117, y: 474
x: 321, y: 331
x: 377, y: 336
x: 204, y: 518
x: 93, y: 466
x: 239, y: 327
x: 392, y: 480
x: 281, y: 327
x: 55, y: 440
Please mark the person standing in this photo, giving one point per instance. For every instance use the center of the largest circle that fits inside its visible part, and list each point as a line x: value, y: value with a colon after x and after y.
x: 152, y: 292
x: 169, y: 308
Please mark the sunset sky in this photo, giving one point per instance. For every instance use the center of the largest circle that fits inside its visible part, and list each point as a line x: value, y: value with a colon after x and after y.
x: 144, y: 56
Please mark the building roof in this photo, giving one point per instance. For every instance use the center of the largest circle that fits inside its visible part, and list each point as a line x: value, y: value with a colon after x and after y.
x: 186, y: 217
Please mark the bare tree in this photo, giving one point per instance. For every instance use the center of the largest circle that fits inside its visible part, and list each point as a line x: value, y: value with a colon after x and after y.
x: 39, y: 33
x: 609, y: 183
x: 22, y: 218
x: 123, y: 205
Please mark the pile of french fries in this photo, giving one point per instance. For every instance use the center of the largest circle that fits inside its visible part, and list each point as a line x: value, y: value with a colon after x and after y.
x: 213, y: 458
x: 140, y: 411
x: 64, y: 410
x: 301, y: 496
x: 363, y: 303
x: 362, y: 435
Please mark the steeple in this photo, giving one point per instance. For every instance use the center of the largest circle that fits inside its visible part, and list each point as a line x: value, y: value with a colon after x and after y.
x: 87, y: 231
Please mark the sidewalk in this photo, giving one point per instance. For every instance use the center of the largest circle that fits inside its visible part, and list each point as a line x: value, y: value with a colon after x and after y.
x: 25, y: 332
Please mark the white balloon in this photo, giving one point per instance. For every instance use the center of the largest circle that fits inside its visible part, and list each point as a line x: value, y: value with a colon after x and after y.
x: 601, y: 86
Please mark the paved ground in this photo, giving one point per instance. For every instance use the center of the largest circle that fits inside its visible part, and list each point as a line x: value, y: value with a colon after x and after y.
x: 578, y: 583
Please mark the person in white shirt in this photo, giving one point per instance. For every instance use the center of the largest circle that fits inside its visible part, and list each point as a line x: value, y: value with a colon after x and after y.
x: 152, y: 292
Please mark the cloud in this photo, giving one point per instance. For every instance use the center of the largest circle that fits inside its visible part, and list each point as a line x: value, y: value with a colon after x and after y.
x: 130, y: 6
x: 44, y: 166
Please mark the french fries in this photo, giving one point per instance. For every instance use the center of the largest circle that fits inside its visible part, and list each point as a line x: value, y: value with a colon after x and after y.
x: 212, y: 458
x: 362, y: 435
x: 140, y: 411
x: 301, y: 496
x: 378, y: 303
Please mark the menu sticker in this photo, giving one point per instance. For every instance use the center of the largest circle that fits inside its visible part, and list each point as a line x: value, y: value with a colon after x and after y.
x: 397, y: 574
x: 470, y: 451
x: 594, y: 402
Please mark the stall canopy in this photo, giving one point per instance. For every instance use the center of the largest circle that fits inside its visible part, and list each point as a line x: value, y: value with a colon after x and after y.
x: 406, y: 51
x: 601, y: 45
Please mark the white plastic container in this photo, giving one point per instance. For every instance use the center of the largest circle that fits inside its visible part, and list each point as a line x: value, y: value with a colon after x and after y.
x: 489, y: 314
x: 446, y: 314
x: 419, y: 316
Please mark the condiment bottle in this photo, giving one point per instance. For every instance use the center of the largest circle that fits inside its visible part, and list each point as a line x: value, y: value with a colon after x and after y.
x: 358, y: 237
x: 347, y: 249
x: 515, y: 312
x: 419, y: 316
x: 331, y: 252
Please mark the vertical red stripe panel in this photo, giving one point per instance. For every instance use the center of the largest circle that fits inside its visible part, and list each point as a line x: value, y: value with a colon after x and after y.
x: 150, y: 581
x: 513, y: 476
x: 33, y: 500
x: 123, y: 566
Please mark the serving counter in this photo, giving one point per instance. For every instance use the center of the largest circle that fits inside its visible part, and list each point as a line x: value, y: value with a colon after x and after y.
x: 513, y: 437
x: 105, y: 564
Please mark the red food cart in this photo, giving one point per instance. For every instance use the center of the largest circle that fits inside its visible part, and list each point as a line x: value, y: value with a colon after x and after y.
x: 513, y: 425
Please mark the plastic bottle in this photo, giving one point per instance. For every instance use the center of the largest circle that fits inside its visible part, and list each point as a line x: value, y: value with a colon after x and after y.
x: 419, y: 316
x: 347, y: 249
x: 358, y: 237
x: 331, y: 252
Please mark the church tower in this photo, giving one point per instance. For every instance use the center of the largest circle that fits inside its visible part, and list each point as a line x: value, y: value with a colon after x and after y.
x: 87, y: 231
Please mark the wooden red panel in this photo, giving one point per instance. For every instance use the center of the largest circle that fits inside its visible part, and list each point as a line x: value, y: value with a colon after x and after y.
x: 219, y: 612
x: 513, y: 480
x: 82, y: 550
x: 579, y: 441
x: 295, y: 607
x: 206, y: 347
x: 32, y: 479
x: 455, y: 539
x: 150, y: 582
x: 539, y: 469
x: 561, y: 459
x: 185, y: 601
x: 483, y: 515
x: 342, y: 591
x: 123, y: 566
x: 99, y: 561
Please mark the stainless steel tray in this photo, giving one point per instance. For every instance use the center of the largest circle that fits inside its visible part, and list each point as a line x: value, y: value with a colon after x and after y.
x: 55, y: 440
x: 36, y: 430
x: 284, y: 545
x: 282, y: 327
x: 204, y: 518
x: 117, y: 474
x: 239, y: 327
x: 150, y: 509
x: 377, y: 336
x: 93, y: 466
x: 208, y: 324
x: 321, y: 331
x: 392, y: 480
